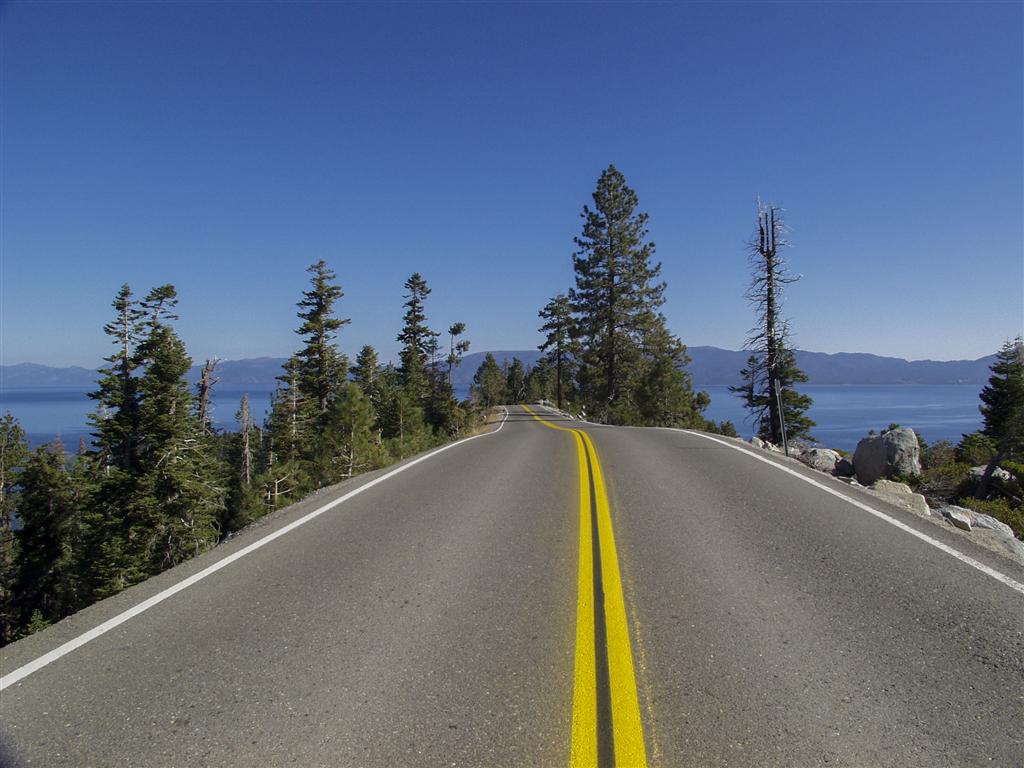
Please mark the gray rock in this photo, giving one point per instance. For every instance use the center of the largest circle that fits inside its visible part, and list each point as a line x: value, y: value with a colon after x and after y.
x: 961, y: 518
x: 821, y: 459
x: 900, y: 495
x: 998, y: 473
x: 895, y: 452
x: 757, y: 442
x: 989, y: 522
x: 844, y: 468
x: 888, y: 486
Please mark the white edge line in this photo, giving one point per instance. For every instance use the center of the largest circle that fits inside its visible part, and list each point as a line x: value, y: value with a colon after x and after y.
x: 62, y: 650
x: 1011, y: 583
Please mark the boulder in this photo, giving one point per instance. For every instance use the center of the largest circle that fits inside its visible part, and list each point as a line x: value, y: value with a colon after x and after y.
x: 844, y: 468
x: 821, y: 459
x: 757, y: 442
x: 998, y: 473
x: 895, y: 452
x: 900, y: 495
x: 961, y: 518
x: 989, y: 522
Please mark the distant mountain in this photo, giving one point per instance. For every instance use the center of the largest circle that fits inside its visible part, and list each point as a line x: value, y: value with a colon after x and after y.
x: 710, y: 366
x: 32, y: 375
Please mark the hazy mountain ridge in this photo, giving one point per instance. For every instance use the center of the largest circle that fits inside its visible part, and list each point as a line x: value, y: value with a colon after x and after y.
x: 710, y: 366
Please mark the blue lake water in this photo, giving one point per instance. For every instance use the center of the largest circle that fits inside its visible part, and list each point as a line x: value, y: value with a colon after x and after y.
x: 844, y: 413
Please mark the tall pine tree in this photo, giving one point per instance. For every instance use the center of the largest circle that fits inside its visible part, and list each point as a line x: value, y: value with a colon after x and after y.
x: 559, y: 344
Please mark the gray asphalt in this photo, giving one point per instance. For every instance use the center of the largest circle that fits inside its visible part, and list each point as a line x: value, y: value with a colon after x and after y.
x: 431, y: 619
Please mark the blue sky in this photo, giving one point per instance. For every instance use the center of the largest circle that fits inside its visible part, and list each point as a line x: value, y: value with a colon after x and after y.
x: 225, y: 147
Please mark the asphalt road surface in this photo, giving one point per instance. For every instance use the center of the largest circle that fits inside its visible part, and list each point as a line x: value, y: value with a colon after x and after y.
x: 541, y: 596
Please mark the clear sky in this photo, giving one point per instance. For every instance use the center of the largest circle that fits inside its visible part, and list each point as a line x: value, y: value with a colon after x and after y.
x: 224, y: 147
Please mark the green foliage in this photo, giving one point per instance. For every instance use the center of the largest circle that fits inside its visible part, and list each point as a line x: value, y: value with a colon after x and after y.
x: 976, y: 449
x: 13, y: 454
x: 627, y: 355
x: 1002, y: 399
x: 45, y: 583
x: 418, y: 341
x: 759, y: 399
x: 490, y: 384
x: 355, y: 444
x: 937, y: 454
x: 561, y: 346
x: 945, y: 480
x: 725, y: 428
x: 515, y: 381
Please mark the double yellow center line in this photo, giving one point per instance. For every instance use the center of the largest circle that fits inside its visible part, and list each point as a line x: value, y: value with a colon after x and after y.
x: 606, y: 727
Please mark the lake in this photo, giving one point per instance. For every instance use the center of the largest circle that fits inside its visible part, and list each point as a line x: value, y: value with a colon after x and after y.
x: 844, y: 414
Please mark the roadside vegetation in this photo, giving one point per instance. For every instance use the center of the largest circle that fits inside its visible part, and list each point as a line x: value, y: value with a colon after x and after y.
x: 985, y: 470
x: 159, y: 484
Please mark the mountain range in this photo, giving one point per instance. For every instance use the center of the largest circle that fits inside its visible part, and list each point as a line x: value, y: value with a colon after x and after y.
x: 709, y: 366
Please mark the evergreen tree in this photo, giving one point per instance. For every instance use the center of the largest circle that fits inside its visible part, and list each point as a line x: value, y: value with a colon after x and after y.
x: 355, y: 445
x: 13, y: 455
x: 489, y: 383
x: 244, y: 503
x: 417, y: 339
x: 44, y: 575
x: 516, y: 381
x: 559, y: 343
x: 665, y: 395
x: 401, y: 417
x: 366, y: 370
x: 116, y: 418
x: 1004, y: 395
x: 287, y: 424
x: 182, y: 498
x: 456, y: 349
x: 1002, y: 409
x: 773, y: 362
x: 321, y: 368
x: 625, y: 340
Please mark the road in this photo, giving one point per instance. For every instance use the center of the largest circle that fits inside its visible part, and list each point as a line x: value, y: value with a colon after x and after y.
x: 548, y: 597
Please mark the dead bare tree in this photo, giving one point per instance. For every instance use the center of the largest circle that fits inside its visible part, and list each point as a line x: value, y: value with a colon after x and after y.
x: 206, y: 382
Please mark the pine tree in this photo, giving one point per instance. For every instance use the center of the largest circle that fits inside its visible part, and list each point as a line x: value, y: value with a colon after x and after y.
x: 116, y: 418
x: 366, y: 370
x: 456, y: 349
x: 559, y: 343
x: 402, y: 424
x: 1002, y: 409
x: 417, y: 339
x: 516, y: 381
x: 44, y: 572
x: 355, y: 447
x: 773, y: 362
x: 182, y: 499
x: 287, y: 424
x: 13, y: 454
x: 244, y: 503
x: 490, y: 383
x: 615, y: 302
x: 1004, y: 395
x: 321, y: 367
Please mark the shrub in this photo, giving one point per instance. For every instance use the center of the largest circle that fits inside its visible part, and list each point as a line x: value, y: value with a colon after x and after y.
x: 976, y: 449
x: 938, y: 454
x: 945, y: 480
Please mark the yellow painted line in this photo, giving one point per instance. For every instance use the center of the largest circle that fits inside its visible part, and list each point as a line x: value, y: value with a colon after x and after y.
x: 627, y: 728
x: 583, y: 750
x: 626, y: 724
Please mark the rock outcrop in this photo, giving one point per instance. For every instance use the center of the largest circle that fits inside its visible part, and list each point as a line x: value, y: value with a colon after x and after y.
x: 900, y: 495
x: 895, y: 452
x: 821, y: 459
